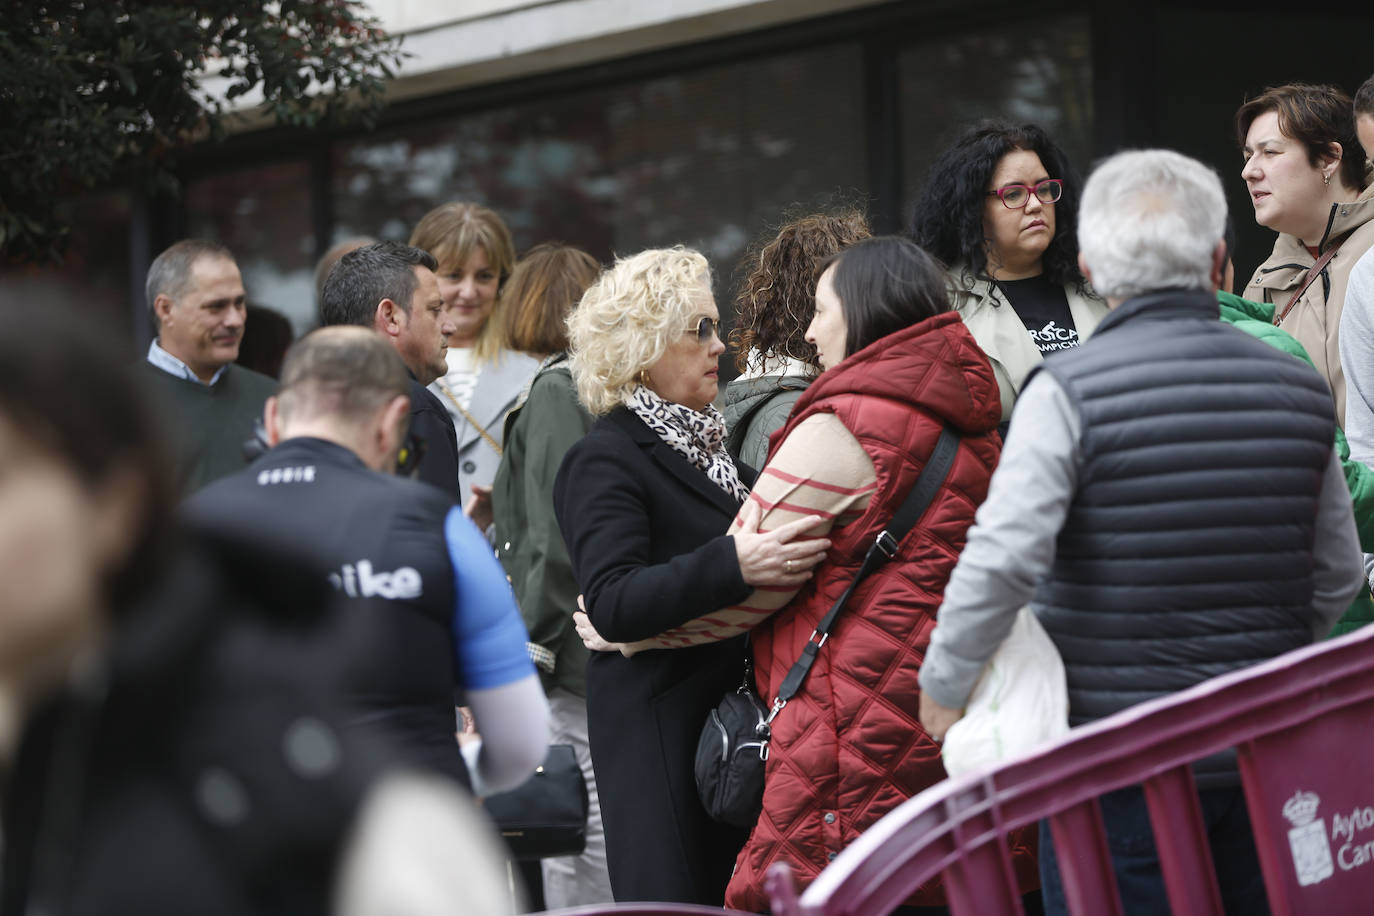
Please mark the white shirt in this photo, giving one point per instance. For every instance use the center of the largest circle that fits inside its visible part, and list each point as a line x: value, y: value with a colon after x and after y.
x: 173, y: 366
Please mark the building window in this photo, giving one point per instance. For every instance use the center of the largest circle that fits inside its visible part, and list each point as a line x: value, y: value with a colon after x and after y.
x: 262, y: 214
x: 1027, y: 70
x: 707, y: 158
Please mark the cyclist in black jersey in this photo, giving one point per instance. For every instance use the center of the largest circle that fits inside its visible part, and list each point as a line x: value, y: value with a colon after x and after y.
x: 430, y: 608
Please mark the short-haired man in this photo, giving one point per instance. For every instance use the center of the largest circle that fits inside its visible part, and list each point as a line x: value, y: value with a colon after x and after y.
x: 431, y: 601
x: 331, y: 257
x: 1357, y: 324
x: 1161, y: 536
x: 196, y: 299
x: 391, y: 288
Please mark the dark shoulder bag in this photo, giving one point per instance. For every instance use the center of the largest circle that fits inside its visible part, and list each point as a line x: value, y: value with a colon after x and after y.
x: 547, y: 814
x: 733, y: 746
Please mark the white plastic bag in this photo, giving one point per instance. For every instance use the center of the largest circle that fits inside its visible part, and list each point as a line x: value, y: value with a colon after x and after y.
x: 1020, y: 702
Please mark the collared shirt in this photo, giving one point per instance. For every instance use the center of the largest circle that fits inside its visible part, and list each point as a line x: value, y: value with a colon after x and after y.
x: 173, y: 366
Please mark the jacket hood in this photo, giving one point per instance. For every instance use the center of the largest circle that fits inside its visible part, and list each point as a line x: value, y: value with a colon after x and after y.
x: 935, y: 365
x: 1350, y: 215
x: 743, y: 393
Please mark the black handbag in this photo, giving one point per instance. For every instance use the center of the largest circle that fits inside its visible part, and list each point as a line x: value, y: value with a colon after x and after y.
x: 547, y: 814
x: 730, y: 757
x: 732, y: 751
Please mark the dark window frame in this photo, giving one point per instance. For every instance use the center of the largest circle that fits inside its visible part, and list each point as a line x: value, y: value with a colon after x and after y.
x: 881, y: 32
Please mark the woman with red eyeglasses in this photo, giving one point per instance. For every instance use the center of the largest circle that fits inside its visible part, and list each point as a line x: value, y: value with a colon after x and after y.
x: 999, y: 208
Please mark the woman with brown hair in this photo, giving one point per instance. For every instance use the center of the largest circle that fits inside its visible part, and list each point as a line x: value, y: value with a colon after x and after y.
x: 772, y: 311
x: 485, y: 376
x: 1308, y: 180
x: 545, y: 286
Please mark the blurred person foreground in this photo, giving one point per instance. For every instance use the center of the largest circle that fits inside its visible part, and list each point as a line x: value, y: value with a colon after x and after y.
x: 174, y: 737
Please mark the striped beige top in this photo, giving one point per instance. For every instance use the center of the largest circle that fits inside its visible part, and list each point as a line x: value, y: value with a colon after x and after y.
x: 820, y: 469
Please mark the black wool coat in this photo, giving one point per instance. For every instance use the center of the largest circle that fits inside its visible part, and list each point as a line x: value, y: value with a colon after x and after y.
x: 646, y: 534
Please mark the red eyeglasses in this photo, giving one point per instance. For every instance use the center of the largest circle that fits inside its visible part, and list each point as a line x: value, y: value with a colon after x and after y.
x: 1016, y: 196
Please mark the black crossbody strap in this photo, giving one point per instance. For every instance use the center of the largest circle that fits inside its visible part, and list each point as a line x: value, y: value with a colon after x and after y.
x: 884, y: 548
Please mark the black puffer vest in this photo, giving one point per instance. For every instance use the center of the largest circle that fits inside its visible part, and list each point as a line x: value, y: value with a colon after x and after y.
x: 1187, y: 550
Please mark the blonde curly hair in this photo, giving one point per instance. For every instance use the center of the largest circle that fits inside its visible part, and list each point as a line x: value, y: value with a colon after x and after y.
x: 627, y: 319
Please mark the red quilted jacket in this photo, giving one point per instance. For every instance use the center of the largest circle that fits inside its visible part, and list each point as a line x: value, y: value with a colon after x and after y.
x: 849, y: 747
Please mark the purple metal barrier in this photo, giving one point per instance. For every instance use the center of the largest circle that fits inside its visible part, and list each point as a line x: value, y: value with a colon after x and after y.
x: 645, y: 909
x: 1303, y: 725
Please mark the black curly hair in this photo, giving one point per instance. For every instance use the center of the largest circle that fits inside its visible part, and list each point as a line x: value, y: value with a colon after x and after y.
x: 947, y: 220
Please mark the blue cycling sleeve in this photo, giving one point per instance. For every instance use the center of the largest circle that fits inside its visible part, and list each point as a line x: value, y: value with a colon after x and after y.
x: 488, y: 635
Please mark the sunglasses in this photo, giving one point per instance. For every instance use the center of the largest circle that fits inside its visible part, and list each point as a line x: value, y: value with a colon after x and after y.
x: 705, y: 330
x: 1016, y: 196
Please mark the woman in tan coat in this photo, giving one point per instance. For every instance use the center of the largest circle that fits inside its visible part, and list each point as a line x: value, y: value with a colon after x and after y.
x: 1307, y: 179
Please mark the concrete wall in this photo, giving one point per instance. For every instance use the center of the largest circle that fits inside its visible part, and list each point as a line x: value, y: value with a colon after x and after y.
x: 470, y: 42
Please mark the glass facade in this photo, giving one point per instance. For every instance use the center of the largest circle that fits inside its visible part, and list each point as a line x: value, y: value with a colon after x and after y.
x: 262, y: 214
x: 707, y: 158
x: 1037, y: 70
x: 710, y: 154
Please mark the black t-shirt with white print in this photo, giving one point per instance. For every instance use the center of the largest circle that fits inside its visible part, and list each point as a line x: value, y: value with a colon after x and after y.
x: 1044, y: 310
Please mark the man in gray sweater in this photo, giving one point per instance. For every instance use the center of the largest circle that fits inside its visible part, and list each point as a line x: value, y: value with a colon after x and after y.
x: 1161, y: 535
x: 196, y: 301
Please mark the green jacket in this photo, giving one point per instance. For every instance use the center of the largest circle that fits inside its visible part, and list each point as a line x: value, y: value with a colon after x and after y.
x: 1257, y: 319
x: 539, y: 431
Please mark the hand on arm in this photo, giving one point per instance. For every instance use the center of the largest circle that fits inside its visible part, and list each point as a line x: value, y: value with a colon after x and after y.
x: 605, y: 501
x: 781, y: 556
x: 592, y: 639
x: 819, y: 477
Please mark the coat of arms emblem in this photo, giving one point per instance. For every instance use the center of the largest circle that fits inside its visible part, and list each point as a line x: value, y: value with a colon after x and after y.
x: 1307, y: 839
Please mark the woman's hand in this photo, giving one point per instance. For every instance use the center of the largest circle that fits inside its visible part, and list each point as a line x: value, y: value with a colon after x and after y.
x: 479, y: 507
x: 592, y: 639
x: 776, y: 558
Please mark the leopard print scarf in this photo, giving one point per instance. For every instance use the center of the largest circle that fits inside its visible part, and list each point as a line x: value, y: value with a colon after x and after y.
x: 697, y: 436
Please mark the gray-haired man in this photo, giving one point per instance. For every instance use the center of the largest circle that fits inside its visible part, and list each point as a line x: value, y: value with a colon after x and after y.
x: 196, y: 301
x: 1161, y: 535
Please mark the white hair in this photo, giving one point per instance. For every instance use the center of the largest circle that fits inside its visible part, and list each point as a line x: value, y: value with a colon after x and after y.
x: 1149, y: 220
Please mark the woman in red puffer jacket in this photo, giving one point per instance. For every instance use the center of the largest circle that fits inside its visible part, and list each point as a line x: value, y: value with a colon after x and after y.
x: 899, y: 366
